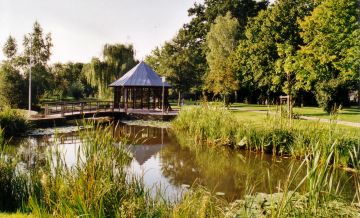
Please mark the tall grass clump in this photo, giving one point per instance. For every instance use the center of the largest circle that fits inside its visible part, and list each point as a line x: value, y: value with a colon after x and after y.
x: 13, y: 189
x: 97, y: 186
x: 212, y: 125
x: 13, y: 122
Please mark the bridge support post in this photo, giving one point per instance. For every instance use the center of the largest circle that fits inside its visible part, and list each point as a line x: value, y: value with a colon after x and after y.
x: 62, y: 110
x: 46, y: 109
x: 82, y: 108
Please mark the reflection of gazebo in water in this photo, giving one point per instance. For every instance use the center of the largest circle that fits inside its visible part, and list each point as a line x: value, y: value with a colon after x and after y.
x: 141, y: 88
x: 142, y: 153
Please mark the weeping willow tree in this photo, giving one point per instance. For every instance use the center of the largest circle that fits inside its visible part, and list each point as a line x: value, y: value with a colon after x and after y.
x: 117, y: 60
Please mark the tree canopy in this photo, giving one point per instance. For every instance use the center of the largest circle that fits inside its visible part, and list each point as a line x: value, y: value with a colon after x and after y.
x: 221, y: 41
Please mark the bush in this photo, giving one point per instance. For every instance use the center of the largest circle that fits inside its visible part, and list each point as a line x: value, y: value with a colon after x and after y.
x: 76, y: 90
x: 12, y: 122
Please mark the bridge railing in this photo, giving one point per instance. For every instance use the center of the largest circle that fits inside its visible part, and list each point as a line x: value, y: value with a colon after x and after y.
x: 78, y: 107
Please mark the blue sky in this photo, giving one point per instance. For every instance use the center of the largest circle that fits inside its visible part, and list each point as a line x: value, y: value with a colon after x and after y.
x: 80, y: 28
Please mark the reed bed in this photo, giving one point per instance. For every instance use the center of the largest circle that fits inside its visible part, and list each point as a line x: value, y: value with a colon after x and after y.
x: 217, y: 126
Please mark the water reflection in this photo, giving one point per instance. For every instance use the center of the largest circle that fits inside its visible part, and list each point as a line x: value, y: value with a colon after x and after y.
x: 162, y: 162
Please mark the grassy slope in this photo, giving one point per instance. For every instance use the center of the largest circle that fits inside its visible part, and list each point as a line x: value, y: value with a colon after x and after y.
x: 346, y: 114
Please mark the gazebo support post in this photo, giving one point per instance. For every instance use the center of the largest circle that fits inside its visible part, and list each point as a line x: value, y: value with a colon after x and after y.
x: 141, y: 92
x: 126, y: 99
x: 148, y: 98
x: 133, y: 97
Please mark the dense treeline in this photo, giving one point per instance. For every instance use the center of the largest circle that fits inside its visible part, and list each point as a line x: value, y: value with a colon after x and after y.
x: 255, y: 52
x: 59, y: 81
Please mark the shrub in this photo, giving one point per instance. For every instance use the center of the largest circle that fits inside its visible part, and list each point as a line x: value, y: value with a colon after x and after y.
x: 12, y: 122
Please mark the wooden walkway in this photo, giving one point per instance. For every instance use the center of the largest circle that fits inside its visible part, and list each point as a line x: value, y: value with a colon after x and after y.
x: 59, y: 111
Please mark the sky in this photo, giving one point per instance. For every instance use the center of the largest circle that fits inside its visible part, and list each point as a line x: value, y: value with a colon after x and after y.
x: 80, y: 28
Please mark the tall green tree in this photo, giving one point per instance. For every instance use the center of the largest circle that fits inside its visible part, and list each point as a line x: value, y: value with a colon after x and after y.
x: 221, y: 41
x: 12, y: 83
x: 70, y: 81
x: 10, y: 48
x: 37, y: 52
x: 330, y: 57
x: 186, y: 53
x: 177, y: 62
x: 265, y: 36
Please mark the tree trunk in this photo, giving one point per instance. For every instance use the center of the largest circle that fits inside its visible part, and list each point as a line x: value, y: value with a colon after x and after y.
x: 179, y: 99
x: 289, y: 96
x: 359, y: 94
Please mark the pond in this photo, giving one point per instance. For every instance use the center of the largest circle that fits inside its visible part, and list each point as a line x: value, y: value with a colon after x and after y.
x: 167, y: 166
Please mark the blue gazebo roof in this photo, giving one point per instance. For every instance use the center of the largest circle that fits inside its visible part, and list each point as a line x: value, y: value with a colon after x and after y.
x: 140, y: 75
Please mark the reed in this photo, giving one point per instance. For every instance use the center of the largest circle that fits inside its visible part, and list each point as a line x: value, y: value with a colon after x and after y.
x: 217, y: 126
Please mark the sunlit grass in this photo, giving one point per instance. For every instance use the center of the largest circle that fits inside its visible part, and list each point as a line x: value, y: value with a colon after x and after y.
x: 346, y: 114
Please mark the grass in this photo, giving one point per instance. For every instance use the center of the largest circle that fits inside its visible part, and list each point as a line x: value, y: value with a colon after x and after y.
x: 346, y: 114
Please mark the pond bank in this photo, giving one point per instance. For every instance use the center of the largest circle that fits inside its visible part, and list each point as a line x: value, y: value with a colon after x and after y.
x: 180, y: 166
x: 216, y: 126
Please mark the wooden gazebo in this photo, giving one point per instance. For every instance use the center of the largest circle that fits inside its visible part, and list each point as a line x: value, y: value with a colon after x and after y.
x: 141, y: 88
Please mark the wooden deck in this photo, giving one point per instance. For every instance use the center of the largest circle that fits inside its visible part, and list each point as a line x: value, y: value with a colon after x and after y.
x: 62, y: 111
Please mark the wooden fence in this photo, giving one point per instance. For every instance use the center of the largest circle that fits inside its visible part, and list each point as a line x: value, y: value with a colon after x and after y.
x: 78, y: 107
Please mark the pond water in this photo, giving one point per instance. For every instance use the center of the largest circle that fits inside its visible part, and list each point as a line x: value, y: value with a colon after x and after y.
x: 170, y: 168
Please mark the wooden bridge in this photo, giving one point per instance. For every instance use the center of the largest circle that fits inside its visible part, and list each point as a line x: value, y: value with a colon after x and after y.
x: 61, y: 111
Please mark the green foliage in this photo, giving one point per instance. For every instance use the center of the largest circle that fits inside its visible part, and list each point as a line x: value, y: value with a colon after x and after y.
x: 76, y: 90
x: 221, y: 41
x: 36, y: 54
x: 12, y: 122
x: 183, y: 59
x: 97, y: 185
x: 179, y: 63
x: 37, y: 47
x: 264, y: 57
x: 13, y: 190
x: 330, y: 95
x: 2, y: 137
x: 212, y: 125
x: 12, y: 87
x: 330, y: 55
x: 118, y: 59
x: 199, y: 203
x: 10, y: 48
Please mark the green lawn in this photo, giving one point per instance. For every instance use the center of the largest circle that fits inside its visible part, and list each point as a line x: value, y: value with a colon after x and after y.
x: 260, y: 118
x: 346, y: 114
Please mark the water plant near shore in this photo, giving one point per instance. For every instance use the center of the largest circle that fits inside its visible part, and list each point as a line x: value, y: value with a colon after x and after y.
x: 217, y: 126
